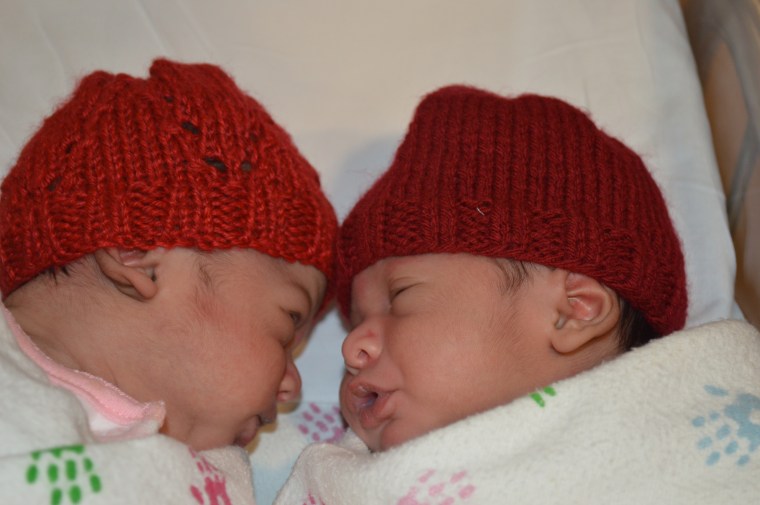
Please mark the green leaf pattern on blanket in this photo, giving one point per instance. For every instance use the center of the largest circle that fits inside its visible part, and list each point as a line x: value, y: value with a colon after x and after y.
x: 539, y: 399
x: 67, y: 472
x: 732, y: 431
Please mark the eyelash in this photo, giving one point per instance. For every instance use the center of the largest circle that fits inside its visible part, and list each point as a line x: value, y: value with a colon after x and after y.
x: 296, y: 317
x: 395, y: 292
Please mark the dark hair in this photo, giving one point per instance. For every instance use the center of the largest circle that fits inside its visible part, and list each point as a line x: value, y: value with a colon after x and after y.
x: 633, y: 328
x: 54, y: 271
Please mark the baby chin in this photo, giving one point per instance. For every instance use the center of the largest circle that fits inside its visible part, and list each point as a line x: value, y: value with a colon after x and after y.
x: 392, y: 433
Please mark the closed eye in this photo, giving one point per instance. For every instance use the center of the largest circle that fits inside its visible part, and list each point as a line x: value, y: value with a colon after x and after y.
x: 396, y: 292
x: 296, y: 317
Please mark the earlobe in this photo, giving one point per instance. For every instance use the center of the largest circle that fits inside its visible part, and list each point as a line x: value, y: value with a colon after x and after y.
x: 131, y: 271
x: 587, y: 311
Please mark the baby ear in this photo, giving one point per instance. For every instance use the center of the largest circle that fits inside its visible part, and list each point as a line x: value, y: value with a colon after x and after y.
x: 131, y: 271
x: 587, y: 311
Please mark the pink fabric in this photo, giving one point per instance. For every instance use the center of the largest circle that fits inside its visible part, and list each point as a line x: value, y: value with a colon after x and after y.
x: 113, y: 414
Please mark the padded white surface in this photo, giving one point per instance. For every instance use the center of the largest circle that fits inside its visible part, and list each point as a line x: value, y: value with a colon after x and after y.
x: 344, y: 77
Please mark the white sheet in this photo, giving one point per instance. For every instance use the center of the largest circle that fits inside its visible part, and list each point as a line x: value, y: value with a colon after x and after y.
x: 344, y: 76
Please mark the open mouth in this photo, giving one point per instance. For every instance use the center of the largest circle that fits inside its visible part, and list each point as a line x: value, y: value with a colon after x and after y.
x: 365, y: 397
x: 368, y: 404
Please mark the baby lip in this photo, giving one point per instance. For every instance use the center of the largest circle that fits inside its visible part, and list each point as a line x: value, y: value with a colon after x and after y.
x: 362, y: 393
x: 248, y: 433
x: 251, y: 429
x: 269, y: 416
x: 368, y: 404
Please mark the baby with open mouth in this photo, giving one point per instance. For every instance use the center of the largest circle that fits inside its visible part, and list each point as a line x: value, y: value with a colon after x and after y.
x: 496, y: 256
x: 493, y: 279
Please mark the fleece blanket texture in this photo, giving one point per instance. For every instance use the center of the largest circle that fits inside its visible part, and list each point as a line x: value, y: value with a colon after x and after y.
x: 674, y: 422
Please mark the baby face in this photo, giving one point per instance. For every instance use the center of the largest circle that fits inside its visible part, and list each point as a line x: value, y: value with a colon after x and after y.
x: 228, y: 327
x: 436, y: 338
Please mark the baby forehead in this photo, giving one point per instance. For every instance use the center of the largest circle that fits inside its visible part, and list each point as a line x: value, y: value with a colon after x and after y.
x: 422, y: 266
x: 393, y: 266
x: 245, y: 265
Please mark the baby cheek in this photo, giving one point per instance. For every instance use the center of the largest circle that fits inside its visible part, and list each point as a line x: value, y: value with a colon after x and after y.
x: 277, y: 362
x: 344, y: 403
x: 343, y: 395
x: 259, y: 363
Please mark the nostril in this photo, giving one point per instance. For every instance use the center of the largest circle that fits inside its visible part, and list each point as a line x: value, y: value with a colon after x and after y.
x: 362, y: 346
x: 356, y: 360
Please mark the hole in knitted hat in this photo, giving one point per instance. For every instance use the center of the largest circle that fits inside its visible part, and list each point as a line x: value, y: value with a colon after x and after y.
x: 69, y: 147
x: 187, y: 125
x: 216, y: 163
x: 54, y: 183
x: 169, y: 99
x: 246, y: 166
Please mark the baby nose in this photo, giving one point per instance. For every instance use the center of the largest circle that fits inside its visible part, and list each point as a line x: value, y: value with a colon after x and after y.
x: 290, y: 385
x: 362, y: 346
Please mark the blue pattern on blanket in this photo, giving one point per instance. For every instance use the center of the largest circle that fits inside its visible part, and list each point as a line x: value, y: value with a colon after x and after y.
x: 733, y: 431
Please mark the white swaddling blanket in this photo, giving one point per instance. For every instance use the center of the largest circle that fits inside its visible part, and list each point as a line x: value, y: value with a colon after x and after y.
x: 676, y: 421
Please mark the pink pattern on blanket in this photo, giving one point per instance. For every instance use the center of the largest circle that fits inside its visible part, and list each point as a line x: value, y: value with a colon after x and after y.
x: 312, y: 500
x: 431, y: 489
x: 321, y: 425
x: 214, y: 485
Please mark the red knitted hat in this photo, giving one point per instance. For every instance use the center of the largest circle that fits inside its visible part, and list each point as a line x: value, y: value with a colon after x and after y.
x: 183, y: 158
x: 529, y: 178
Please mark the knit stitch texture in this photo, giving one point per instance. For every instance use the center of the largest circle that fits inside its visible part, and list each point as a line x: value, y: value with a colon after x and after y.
x: 182, y: 158
x: 529, y: 178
